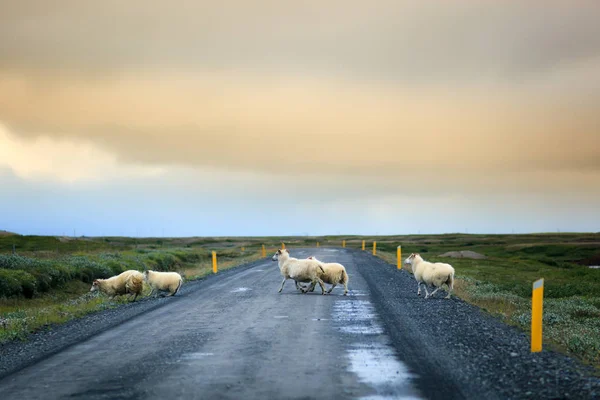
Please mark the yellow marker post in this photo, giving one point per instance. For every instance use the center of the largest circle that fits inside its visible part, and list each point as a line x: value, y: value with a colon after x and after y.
x: 243, y: 248
x: 343, y: 243
x: 264, y: 251
x: 214, y: 254
x: 363, y: 247
x: 399, y: 257
x: 374, y: 248
x: 317, y: 244
x: 537, y: 306
x: 282, y: 245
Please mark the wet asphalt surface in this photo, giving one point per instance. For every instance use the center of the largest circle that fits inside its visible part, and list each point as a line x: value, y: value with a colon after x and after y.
x: 232, y: 336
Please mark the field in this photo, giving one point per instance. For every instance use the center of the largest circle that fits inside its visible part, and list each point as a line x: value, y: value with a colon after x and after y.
x: 502, y: 282
x: 48, y: 278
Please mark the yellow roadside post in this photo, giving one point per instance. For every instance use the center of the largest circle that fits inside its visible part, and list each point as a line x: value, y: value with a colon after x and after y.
x: 264, y: 251
x: 363, y: 245
x: 343, y: 243
x: 317, y: 244
x: 374, y: 248
x: 399, y: 257
x: 243, y: 248
x: 537, y: 305
x: 214, y: 254
x: 282, y: 245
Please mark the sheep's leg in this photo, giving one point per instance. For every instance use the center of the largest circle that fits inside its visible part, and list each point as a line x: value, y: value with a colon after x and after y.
x: 426, y: 291
x: 322, y: 285
x: 282, y: 283
x: 301, y: 288
x: 345, y: 289
x: 449, y: 292
x: 309, y: 288
x: 134, y: 296
x: 419, y: 288
x: 431, y: 295
x: 331, y: 288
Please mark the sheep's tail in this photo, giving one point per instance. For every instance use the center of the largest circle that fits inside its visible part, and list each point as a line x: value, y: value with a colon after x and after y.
x: 345, y: 278
x: 178, y: 287
x: 450, y: 281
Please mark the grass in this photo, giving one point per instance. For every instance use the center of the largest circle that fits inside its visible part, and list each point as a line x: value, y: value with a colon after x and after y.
x: 499, y: 284
x: 20, y: 315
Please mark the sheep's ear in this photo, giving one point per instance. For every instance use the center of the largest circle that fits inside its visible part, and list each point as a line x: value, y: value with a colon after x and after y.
x: 95, y: 282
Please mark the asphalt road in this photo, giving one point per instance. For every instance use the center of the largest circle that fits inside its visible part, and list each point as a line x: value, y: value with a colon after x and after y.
x: 234, y: 337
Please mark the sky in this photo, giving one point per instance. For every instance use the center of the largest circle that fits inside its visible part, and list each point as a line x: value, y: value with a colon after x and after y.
x: 198, y: 118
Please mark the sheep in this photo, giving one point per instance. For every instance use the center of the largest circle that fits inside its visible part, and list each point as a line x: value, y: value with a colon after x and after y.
x: 435, y: 274
x: 130, y: 281
x: 170, y: 281
x: 335, y: 274
x: 298, y: 270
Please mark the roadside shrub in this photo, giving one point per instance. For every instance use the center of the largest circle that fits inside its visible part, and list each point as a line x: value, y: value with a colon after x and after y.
x: 114, y: 266
x: 87, y: 270
x: 15, y: 283
x: 163, y: 261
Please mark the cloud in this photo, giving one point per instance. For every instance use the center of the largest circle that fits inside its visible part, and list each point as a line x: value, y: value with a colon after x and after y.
x: 459, y: 96
x: 47, y: 158
x: 307, y: 126
x: 404, y: 41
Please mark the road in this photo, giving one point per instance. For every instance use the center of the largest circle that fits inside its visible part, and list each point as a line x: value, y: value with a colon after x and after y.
x: 236, y: 337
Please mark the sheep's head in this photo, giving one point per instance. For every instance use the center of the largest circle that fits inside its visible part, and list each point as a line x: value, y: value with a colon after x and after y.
x: 145, y: 275
x: 279, y: 253
x: 410, y: 259
x: 95, y: 285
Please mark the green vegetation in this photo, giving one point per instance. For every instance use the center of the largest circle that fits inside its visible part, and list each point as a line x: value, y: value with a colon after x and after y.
x: 502, y: 283
x: 48, y: 279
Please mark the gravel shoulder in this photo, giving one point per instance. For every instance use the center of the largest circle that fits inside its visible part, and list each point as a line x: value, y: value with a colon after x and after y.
x: 481, y: 356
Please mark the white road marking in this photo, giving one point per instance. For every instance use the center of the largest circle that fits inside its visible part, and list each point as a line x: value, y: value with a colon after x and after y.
x: 196, y: 356
x: 240, y: 290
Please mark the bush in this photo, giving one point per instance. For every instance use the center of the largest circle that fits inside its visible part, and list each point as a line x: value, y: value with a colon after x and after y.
x: 16, y: 283
x: 87, y: 270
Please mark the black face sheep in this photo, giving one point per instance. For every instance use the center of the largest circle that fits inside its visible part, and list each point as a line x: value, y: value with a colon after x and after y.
x: 435, y: 274
x: 165, y: 281
x: 128, y: 282
x: 298, y: 270
x: 334, y: 274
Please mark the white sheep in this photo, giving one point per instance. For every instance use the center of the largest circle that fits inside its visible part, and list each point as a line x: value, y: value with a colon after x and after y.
x: 167, y: 281
x: 435, y: 274
x: 128, y: 282
x: 298, y: 270
x: 334, y: 274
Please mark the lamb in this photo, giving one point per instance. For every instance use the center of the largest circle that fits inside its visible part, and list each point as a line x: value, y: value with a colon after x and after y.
x: 435, y: 274
x: 130, y: 281
x: 298, y: 270
x: 335, y: 274
x: 167, y: 281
